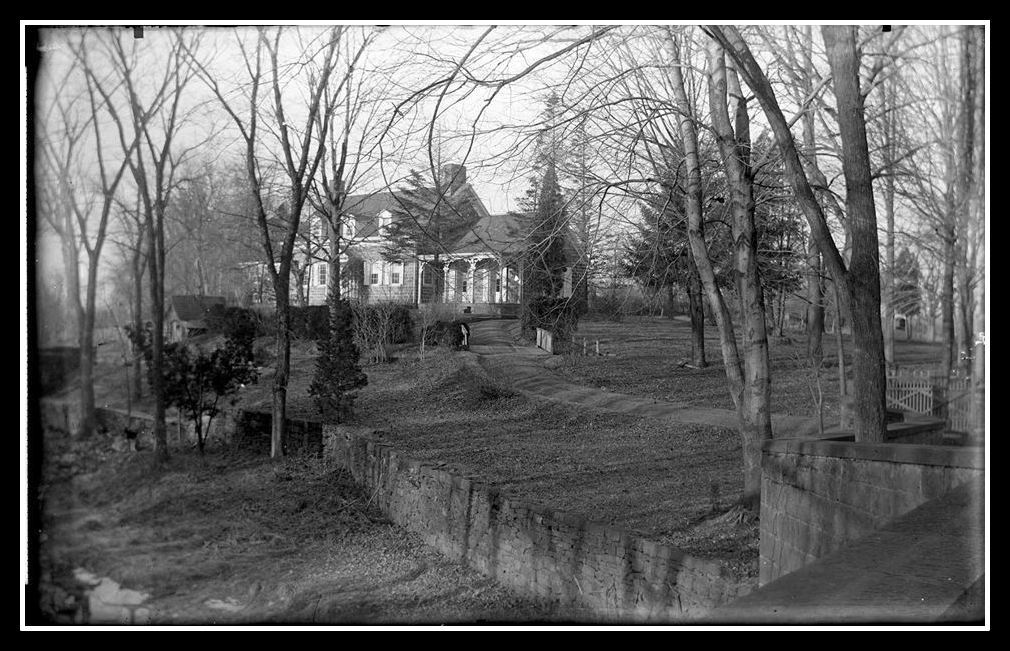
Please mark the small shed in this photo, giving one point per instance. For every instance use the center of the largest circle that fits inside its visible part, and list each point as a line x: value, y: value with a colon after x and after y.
x: 187, y: 314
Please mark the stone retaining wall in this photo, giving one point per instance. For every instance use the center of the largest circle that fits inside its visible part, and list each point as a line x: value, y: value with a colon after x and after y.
x: 611, y: 573
x: 819, y: 496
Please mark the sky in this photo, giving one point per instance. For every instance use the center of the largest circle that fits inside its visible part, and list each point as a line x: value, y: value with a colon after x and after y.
x: 406, y: 57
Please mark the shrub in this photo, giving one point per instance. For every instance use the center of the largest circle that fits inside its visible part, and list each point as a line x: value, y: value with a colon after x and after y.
x: 310, y: 322
x: 194, y: 381
x: 234, y: 322
x: 337, y: 374
x: 445, y: 333
x: 558, y: 315
x: 378, y: 324
x: 401, y: 328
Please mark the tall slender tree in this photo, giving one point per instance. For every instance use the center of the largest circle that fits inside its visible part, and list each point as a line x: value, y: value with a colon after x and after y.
x: 300, y: 150
x: 860, y: 278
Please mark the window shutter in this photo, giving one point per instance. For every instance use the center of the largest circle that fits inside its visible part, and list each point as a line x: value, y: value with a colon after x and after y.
x: 367, y: 268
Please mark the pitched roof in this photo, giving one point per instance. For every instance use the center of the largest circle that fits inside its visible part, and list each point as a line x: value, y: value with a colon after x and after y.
x: 191, y: 307
x: 503, y: 234
x: 365, y: 208
x: 495, y: 233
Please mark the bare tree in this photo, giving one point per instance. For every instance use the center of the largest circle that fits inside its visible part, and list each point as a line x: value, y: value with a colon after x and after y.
x: 860, y: 278
x: 80, y: 203
x: 748, y: 377
x: 148, y: 130
x: 132, y: 242
x: 299, y: 151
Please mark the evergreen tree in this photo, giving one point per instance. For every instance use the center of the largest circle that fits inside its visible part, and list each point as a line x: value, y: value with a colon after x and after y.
x: 427, y: 221
x: 546, y: 229
x: 338, y: 373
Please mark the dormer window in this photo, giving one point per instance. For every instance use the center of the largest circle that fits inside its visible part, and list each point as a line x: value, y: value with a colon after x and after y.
x: 385, y: 217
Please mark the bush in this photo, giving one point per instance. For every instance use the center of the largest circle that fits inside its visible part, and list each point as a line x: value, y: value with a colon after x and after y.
x: 234, y: 322
x: 445, y: 333
x: 401, y: 329
x: 337, y: 374
x: 195, y: 381
x: 310, y: 322
x: 557, y: 315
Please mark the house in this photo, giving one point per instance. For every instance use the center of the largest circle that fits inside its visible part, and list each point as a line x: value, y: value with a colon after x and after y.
x: 479, y: 271
x: 187, y: 313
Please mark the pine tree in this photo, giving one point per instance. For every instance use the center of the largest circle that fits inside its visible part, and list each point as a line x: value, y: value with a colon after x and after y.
x: 338, y: 373
x: 427, y: 221
x: 546, y: 229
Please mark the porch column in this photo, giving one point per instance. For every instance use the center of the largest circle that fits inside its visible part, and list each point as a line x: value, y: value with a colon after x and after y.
x: 470, y: 277
x: 417, y: 279
x: 521, y: 283
x: 505, y: 283
x: 449, y: 286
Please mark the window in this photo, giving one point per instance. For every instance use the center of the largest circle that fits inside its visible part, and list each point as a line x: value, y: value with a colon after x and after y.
x: 427, y: 276
x: 395, y: 273
x: 497, y: 283
x: 321, y: 275
x: 384, y: 219
x: 375, y: 273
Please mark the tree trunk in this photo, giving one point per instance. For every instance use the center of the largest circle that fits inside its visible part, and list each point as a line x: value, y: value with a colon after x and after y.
x: 157, y: 266
x: 966, y: 192
x: 948, y: 351
x: 888, y: 293
x: 748, y: 382
x: 87, y: 373
x: 138, y: 323
x: 696, y: 306
x: 283, y: 367
x: 734, y: 144
x: 863, y: 277
x: 843, y: 389
x: 815, y: 281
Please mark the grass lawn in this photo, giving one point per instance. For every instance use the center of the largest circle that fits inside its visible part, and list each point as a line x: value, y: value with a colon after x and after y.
x: 667, y: 482
x: 646, y: 354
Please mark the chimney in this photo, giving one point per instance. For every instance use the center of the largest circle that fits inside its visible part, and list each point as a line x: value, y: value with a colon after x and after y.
x: 453, y: 176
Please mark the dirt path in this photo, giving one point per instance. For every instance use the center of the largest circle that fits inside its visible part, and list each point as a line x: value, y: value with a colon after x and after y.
x: 524, y: 367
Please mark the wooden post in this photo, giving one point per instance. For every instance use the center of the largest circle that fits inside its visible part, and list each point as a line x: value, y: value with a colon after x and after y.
x: 583, y: 346
x: 597, y: 347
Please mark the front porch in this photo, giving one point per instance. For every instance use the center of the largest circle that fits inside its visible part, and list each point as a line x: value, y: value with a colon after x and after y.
x: 477, y: 284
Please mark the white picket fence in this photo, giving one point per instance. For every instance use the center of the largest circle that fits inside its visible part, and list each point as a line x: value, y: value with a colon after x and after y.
x: 954, y: 399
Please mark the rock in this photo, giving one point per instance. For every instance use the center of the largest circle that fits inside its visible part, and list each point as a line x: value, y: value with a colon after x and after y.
x: 81, y: 575
x: 109, y: 603
x: 111, y: 593
x: 142, y: 616
x: 230, y: 605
